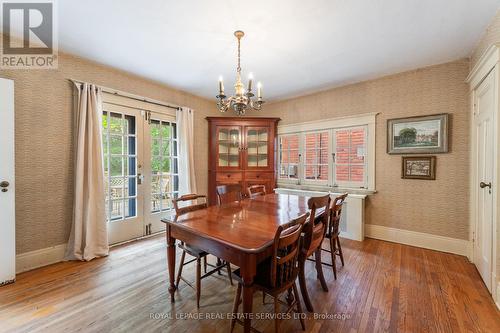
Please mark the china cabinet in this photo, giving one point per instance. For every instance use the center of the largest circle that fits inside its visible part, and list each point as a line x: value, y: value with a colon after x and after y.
x: 241, y: 151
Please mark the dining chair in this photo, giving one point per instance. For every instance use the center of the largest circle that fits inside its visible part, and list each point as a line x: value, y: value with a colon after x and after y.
x: 256, y: 190
x: 228, y: 193
x: 278, y: 273
x: 193, y: 251
x: 314, y: 234
x: 333, y: 232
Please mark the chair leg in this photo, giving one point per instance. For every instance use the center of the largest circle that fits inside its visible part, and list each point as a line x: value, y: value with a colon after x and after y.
x: 303, y: 287
x: 340, y: 251
x: 299, y: 307
x: 332, y: 252
x: 181, y: 265
x: 236, y: 304
x: 228, y: 265
x: 205, y: 265
x: 198, y: 282
x: 276, y: 311
x: 219, y: 262
x: 319, y: 269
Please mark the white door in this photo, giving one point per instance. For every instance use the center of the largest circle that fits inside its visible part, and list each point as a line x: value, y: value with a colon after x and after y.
x: 484, y: 123
x: 161, y: 169
x: 123, y: 162
x: 7, y: 197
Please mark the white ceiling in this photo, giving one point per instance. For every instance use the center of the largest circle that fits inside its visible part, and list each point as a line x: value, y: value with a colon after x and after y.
x: 292, y: 46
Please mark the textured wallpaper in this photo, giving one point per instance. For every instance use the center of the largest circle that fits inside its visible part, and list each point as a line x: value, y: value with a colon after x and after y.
x: 44, y: 142
x: 437, y: 207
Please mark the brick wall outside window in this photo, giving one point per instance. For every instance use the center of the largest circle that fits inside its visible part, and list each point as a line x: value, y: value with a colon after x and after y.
x: 348, y: 145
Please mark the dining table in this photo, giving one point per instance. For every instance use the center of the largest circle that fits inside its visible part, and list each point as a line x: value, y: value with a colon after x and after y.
x: 240, y: 232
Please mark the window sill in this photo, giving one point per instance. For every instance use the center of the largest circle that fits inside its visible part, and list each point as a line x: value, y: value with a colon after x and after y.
x: 323, y: 188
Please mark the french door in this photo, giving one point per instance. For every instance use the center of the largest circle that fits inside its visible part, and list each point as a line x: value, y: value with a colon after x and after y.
x: 161, y: 169
x: 140, y: 169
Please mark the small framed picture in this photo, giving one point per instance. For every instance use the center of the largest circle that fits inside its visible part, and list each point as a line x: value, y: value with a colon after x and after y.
x: 418, y: 135
x: 419, y: 167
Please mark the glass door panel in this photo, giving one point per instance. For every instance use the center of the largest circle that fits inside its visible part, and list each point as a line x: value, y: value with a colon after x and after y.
x: 229, y: 143
x: 257, y: 146
x: 161, y: 169
x: 122, y: 156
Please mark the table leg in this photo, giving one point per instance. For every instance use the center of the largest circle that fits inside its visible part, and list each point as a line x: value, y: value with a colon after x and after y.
x: 171, y: 263
x: 247, y: 274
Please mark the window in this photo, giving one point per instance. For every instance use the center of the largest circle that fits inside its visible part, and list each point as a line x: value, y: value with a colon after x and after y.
x: 316, y: 156
x: 329, y: 153
x: 289, y: 156
x: 350, y: 167
x: 120, y: 176
x: 164, y: 165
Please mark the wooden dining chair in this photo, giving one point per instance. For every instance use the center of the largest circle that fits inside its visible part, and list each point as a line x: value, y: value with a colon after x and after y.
x: 256, y: 190
x: 314, y: 234
x: 333, y: 232
x: 193, y: 251
x: 278, y: 273
x: 228, y: 193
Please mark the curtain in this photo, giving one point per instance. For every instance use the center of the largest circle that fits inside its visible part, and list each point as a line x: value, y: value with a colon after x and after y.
x: 89, y: 234
x: 185, y: 132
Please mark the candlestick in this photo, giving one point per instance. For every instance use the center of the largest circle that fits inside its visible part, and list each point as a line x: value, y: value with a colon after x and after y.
x: 221, y: 86
x: 250, y: 79
x: 259, y: 90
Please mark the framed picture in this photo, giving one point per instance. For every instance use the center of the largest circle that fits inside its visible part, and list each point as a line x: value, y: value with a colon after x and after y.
x: 418, y: 135
x: 419, y: 167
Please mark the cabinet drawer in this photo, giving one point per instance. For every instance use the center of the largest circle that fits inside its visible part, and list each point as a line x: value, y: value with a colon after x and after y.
x: 259, y: 175
x: 229, y: 176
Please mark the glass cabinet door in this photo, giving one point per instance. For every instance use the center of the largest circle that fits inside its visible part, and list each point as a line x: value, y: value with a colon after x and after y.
x: 229, y: 144
x: 257, y: 144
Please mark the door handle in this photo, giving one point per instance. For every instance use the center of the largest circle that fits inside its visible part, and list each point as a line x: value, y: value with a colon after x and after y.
x: 4, y: 185
x: 483, y: 185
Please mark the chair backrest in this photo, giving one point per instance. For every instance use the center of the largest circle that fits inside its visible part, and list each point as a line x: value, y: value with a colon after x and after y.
x: 228, y: 193
x: 286, y: 250
x: 315, y: 228
x: 256, y: 190
x: 190, y: 208
x: 335, y: 214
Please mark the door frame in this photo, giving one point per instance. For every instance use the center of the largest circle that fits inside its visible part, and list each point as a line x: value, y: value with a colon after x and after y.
x: 488, y: 63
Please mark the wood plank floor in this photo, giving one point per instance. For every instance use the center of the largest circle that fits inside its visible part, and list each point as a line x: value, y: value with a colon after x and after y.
x: 384, y: 287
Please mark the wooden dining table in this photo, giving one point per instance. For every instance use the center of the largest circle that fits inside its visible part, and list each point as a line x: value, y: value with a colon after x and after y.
x: 241, y: 233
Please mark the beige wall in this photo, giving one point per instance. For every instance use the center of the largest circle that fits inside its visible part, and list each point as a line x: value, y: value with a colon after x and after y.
x: 490, y: 36
x: 44, y: 148
x: 437, y: 207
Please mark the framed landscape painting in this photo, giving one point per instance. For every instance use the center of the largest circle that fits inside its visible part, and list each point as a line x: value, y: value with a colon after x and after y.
x: 418, y: 135
x: 419, y: 167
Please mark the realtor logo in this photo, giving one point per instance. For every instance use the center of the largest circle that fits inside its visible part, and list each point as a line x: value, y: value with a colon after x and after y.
x: 28, y: 35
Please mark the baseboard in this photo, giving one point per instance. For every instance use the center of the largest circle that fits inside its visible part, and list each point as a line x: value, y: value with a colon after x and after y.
x: 496, y: 294
x: 38, y: 258
x: 419, y: 239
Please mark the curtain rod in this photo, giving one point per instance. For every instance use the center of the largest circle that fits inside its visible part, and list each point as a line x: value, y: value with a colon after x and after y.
x: 126, y: 94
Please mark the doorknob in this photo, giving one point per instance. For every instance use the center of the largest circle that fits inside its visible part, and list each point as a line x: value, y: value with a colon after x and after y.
x: 483, y: 185
x: 4, y: 185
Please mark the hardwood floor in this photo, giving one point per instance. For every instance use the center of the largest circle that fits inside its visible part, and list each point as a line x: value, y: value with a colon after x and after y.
x: 383, y: 287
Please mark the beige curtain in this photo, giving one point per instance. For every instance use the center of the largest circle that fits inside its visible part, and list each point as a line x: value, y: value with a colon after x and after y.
x: 89, y: 234
x: 185, y: 133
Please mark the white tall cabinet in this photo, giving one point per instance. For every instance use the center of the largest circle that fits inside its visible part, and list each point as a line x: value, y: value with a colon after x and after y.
x: 7, y: 193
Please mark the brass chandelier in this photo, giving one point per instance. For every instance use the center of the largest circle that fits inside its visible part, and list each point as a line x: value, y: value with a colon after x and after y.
x: 242, y: 100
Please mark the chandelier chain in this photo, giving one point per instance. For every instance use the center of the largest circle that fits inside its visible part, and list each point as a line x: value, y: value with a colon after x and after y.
x: 238, y: 69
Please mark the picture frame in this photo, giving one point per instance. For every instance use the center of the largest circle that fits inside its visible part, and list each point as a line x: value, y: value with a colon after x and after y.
x: 418, y: 135
x: 418, y: 167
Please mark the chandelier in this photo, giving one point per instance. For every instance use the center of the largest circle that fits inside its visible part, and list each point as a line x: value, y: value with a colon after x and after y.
x: 242, y: 100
